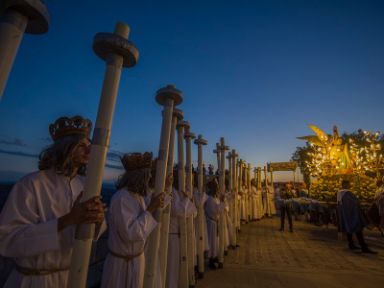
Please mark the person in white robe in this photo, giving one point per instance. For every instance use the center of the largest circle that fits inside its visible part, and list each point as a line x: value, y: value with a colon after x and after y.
x: 130, y: 223
x: 37, y: 223
x: 259, y: 204
x: 272, y: 199
x: 181, y: 206
x: 229, y: 236
x: 199, y: 200
x: 253, y: 199
x: 266, y: 201
x: 213, y: 208
x: 244, y: 195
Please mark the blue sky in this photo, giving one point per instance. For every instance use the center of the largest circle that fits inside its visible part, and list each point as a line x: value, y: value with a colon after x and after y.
x: 255, y: 72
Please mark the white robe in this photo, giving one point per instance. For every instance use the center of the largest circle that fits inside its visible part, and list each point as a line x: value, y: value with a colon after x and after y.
x: 254, y: 208
x: 213, y: 208
x: 259, y: 204
x: 266, y: 202
x: 200, y: 199
x: 129, y: 227
x: 271, y: 198
x: 180, y: 207
x: 28, y: 227
x: 243, y: 203
x: 231, y: 217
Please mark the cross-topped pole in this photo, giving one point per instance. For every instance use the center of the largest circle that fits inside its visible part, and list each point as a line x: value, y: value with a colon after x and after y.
x: 200, y: 142
x: 191, y: 238
x: 221, y: 148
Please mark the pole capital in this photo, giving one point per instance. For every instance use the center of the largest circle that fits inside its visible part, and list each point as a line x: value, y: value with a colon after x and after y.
x: 200, y: 140
x: 34, y: 10
x: 182, y: 124
x: 189, y: 135
x: 106, y: 44
x: 222, y: 146
x: 169, y: 92
x: 178, y: 113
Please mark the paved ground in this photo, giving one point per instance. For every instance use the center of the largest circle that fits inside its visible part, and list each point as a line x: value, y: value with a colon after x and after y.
x: 309, y: 257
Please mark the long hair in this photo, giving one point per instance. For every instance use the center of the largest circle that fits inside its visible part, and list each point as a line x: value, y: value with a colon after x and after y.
x: 135, y: 181
x: 58, y: 156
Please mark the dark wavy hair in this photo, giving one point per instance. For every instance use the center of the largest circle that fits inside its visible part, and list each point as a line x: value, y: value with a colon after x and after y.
x: 58, y: 156
x: 135, y: 181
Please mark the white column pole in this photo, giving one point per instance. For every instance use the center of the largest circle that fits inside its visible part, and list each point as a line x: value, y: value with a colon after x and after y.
x: 183, y: 271
x: 201, y: 215
x: 240, y: 189
x: 163, y: 251
x: 117, y: 52
x: 235, y: 189
x: 17, y: 17
x: 221, y: 152
x: 191, y: 238
x: 169, y: 97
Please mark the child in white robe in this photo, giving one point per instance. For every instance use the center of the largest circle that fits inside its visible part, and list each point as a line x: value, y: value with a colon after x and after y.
x: 199, y: 200
x: 213, y: 208
x: 254, y: 208
x: 130, y: 223
x: 181, y: 206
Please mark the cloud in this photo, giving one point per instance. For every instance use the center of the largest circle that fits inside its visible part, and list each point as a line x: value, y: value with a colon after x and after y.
x: 18, y: 153
x: 13, y: 142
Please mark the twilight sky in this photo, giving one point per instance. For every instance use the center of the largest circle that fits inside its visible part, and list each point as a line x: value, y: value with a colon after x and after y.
x: 255, y: 72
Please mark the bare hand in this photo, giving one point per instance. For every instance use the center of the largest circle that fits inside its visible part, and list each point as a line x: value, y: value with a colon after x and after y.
x: 87, y: 212
x: 156, y: 203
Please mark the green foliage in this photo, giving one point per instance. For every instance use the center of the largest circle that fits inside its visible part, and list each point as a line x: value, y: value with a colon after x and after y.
x: 301, y: 155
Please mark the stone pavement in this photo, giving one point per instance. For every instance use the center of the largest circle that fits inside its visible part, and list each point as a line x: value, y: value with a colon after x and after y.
x: 309, y: 257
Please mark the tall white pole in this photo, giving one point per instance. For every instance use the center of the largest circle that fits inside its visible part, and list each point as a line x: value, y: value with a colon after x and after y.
x: 16, y: 18
x: 163, y: 251
x: 245, y: 191
x: 183, y: 271
x: 232, y: 199
x: 249, y: 206
x: 240, y: 189
x: 169, y: 97
x: 200, y: 142
x: 191, y: 238
x: 234, y: 156
x: 266, y: 191
x: 221, y: 149
x: 117, y: 52
x: 259, y: 178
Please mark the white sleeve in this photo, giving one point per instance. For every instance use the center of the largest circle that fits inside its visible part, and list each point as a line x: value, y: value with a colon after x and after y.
x: 132, y: 224
x: 21, y: 232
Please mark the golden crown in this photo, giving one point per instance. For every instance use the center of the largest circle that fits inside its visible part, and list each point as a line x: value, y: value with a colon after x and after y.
x: 135, y: 161
x: 65, y: 126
